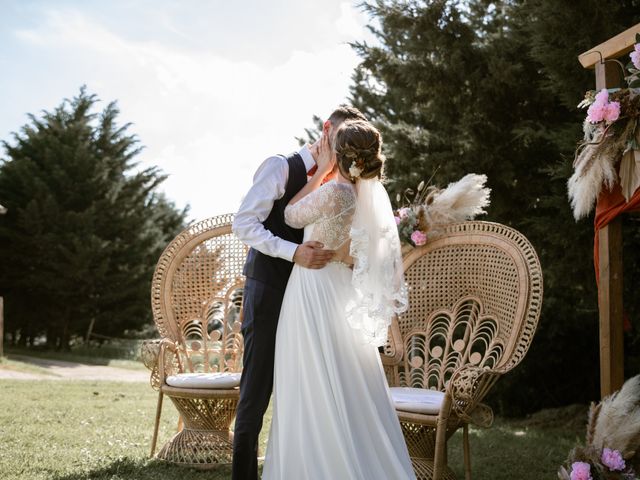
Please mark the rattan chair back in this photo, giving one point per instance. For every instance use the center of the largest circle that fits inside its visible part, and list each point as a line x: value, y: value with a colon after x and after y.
x: 475, y: 293
x: 196, y: 296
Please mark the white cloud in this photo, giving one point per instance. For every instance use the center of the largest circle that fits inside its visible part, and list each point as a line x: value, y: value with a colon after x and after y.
x: 206, y: 120
x: 350, y: 22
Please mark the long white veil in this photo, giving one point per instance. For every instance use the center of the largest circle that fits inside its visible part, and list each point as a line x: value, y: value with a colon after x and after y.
x: 378, y: 276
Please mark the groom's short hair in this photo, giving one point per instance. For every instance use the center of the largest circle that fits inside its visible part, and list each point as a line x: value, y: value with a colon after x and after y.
x: 345, y: 112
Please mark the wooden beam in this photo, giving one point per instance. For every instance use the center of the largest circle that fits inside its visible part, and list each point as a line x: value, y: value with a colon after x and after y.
x: 612, y: 48
x: 609, y: 75
x: 610, y: 308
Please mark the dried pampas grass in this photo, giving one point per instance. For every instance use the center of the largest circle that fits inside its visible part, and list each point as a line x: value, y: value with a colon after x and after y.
x: 592, y: 169
x: 617, y: 424
x: 594, y: 411
x: 613, y: 424
x: 428, y: 210
x: 595, y: 166
x: 461, y: 200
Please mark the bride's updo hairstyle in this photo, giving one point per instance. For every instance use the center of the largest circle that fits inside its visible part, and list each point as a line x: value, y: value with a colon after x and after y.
x: 358, y: 147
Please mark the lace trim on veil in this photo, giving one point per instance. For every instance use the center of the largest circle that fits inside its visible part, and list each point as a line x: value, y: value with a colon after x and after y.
x: 378, y: 276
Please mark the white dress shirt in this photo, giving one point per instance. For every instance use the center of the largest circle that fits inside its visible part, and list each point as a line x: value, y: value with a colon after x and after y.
x: 269, y: 184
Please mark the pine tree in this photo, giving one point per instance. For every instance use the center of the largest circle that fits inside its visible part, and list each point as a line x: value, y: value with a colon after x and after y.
x: 84, y: 226
x: 491, y: 87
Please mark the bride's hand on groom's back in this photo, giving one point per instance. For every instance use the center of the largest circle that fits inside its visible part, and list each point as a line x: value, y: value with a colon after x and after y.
x: 312, y: 255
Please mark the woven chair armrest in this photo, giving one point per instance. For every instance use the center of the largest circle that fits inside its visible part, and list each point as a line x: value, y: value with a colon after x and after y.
x: 482, y: 415
x: 149, y: 351
x: 468, y: 386
x: 391, y: 360
x: 394, y: 357
x: 168, y: 349
x: 149, y: 354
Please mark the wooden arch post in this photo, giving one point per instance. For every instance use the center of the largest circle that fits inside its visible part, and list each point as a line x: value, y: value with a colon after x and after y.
x: 609, y: 74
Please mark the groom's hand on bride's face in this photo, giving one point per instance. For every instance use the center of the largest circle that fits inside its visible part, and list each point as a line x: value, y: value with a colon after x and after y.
x: 312, y: 255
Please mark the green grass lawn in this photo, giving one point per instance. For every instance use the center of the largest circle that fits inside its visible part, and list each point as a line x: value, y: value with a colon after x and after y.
x: 72, y: 430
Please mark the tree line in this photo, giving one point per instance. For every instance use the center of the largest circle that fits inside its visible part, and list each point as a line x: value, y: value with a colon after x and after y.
x: 84, y: 228
x: 460, y: 86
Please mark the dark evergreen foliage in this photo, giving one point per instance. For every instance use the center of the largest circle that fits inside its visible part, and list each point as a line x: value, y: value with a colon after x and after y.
x: 84, y: 228
x: 492, y: 87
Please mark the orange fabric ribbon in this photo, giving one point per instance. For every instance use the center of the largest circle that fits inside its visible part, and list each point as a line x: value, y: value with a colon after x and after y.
x: 610, y: 204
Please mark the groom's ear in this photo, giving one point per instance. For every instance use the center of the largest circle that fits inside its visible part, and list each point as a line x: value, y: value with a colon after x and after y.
x: 325, y: 127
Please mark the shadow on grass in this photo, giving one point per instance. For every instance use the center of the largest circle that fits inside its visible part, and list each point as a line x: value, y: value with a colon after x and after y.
x: 523, y: 449
x: 22, y: 354
x: 26, y: 355
x: 140, y: 469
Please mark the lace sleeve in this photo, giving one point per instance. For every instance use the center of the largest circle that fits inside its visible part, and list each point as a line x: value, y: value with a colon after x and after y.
x: 326, y: 202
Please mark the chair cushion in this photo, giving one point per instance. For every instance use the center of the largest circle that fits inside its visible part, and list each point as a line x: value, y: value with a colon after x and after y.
x: 417, y: 400
x: 222, y: 381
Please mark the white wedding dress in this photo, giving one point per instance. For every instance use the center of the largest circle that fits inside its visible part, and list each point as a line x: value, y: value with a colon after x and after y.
x: 333, y: 417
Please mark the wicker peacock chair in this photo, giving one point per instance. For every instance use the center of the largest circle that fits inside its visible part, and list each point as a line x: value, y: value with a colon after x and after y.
x: 475, y: 293
x: 196, y: 299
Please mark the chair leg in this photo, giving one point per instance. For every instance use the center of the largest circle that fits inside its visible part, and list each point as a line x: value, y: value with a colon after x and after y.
x: 467, y: 452
x: 439, y: 461
x: 439, y: 458
x: 157, y: 424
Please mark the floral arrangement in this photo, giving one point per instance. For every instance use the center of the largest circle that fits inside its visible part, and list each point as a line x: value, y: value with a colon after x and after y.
x: 593, y: 464
x: 430, y: 208
x: 613, y: 438
x: 611, y: 134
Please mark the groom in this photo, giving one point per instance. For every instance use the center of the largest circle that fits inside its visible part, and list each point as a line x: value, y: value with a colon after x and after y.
x: 275, y: 247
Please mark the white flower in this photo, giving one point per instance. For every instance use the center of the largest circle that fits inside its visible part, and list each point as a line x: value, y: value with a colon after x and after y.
x: 354, y: 171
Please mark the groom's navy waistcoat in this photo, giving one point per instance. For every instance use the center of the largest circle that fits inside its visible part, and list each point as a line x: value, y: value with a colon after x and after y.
x: 271, y: 270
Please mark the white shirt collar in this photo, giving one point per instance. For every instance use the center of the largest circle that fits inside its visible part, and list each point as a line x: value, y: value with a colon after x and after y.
x: 307, y: 158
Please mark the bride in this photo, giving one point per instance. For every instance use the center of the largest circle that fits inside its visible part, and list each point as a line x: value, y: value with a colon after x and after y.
x: 333, y: 416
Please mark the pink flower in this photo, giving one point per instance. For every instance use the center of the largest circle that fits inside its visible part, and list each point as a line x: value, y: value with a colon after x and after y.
x: 398, y: 220
x: 612, y: 112
x: 601, y: 109
x: 613, y: 459
x: 635, y: 56
x: 403, y: 212
x: 418, y: 237
x: 596, y: 112
x: 602, y: 97
x: 580, y: 471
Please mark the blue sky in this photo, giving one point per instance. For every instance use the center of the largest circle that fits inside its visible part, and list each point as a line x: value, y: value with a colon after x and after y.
x: 212, y: 87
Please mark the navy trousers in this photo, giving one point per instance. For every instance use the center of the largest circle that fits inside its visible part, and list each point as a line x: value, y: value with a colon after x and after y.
x: 261, y: 306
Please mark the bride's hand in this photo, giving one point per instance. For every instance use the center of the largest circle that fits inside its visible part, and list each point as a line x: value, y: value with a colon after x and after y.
x: 326, y: 157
